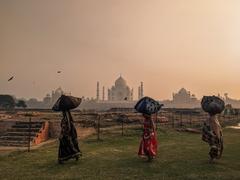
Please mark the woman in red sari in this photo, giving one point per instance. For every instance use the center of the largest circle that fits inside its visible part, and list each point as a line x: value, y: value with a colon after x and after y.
x: 148, y: 145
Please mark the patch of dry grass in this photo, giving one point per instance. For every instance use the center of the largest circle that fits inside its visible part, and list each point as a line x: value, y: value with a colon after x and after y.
x: 180, y: 156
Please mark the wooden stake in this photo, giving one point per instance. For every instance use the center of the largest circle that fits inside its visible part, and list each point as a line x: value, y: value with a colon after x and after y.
x: 29, y: 134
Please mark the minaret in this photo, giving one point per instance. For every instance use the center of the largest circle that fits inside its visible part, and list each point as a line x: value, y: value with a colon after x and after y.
x: 97, y: 91
x: 139, y: 92
x: 109, y: 95
x: 141, y: 87
x: 131, y: 95
x: 103, y: 94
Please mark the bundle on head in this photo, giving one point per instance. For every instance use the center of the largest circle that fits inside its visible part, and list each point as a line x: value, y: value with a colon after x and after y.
x: 147, y: 105
x: 66, y: 103
x: 212, y: 105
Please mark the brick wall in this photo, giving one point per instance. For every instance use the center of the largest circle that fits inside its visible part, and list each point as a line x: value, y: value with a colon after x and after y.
x: 43, y: 134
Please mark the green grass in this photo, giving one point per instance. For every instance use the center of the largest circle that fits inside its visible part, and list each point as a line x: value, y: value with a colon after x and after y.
x: 180, y: 156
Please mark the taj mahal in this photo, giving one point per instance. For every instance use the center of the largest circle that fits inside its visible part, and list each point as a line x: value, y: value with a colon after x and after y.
x: 120, y: 91
x: 121, y: 95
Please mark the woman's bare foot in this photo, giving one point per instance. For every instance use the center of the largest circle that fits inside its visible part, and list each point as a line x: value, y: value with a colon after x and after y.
x: 150, y: 158
x: 60, y: 162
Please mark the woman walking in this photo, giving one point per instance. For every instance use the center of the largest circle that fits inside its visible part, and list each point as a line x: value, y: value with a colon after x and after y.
x: 68, y: 143
x: 68, y: 146
x: 212, y: 134
x: 212, y: 131
x: 148, y: 144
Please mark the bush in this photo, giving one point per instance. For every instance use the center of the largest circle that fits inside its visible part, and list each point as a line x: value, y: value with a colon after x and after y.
x: 7, y: 102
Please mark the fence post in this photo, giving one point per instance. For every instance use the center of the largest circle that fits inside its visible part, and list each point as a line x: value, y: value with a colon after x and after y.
x: 190, y: 122
x: 172, y: 120
x: 237, y: 115
x: 29, y: 133
x: 122, y: 125
x: 181, y: 123
x: 98, y: 127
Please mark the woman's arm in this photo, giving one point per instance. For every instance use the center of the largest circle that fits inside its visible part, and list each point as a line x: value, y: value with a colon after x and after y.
x: 152, y: 124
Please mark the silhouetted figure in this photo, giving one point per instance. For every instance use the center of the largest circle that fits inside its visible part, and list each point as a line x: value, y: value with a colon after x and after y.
x: 68, y: 147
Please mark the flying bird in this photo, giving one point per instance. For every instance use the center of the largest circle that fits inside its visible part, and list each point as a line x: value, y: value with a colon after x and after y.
x: 59, y: 72
x: 11, y: 78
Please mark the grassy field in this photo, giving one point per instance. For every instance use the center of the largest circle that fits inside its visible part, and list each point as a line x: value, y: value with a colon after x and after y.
x: 180, y: 156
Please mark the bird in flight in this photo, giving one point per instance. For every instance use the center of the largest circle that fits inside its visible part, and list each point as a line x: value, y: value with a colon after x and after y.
x: 11, y: 78
x: 59, y: 72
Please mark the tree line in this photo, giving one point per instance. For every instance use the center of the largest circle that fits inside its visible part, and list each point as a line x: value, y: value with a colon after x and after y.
x: 8, y: 102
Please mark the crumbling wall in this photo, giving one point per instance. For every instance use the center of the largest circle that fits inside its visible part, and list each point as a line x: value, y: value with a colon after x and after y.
x: 43, y: 134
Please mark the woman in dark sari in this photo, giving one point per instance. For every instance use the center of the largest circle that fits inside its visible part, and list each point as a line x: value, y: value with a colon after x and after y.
x: 68, y: 147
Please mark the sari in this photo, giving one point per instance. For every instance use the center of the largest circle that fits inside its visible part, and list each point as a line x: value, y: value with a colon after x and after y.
x: 68, y: 146
x: 212, y: 134
x: 148, y: 144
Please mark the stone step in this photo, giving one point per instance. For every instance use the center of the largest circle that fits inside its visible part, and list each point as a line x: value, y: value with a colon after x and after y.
x: 20, y: 134
x: 14, y: 143
x: 23, y: 130
x: 16, y: 138
x: 27, y: 122
x: 27, y: 126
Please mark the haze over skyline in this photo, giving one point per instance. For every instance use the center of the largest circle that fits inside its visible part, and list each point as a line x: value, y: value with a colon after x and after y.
x: 166, y: 44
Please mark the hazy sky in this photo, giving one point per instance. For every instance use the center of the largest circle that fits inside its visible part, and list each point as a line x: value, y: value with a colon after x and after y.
x: 167, y: 44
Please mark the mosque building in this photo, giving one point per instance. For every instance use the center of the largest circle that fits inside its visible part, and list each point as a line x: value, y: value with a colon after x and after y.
x: 182, y: 99
x: 183, y: 96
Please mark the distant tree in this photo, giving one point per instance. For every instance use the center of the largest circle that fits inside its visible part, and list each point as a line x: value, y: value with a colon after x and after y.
x: 21, y: 104
x: 7, y: 102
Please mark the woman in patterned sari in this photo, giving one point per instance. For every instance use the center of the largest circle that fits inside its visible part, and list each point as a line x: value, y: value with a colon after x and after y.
x: 68, y: 147
x: 212, y: 134
x: 148, y: 145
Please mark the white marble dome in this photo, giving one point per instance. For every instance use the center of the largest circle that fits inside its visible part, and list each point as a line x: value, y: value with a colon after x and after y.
x: 120, y: 82
x: 120, y: 91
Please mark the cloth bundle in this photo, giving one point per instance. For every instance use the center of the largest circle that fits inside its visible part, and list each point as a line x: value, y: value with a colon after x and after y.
x: 66, y: 103
x: 147, y: 105
x: 212, y: 104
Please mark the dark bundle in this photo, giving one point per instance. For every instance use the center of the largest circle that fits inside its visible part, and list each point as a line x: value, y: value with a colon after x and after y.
x: 212, y: 104
x: 66, y: 103
x: 147, y: 105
